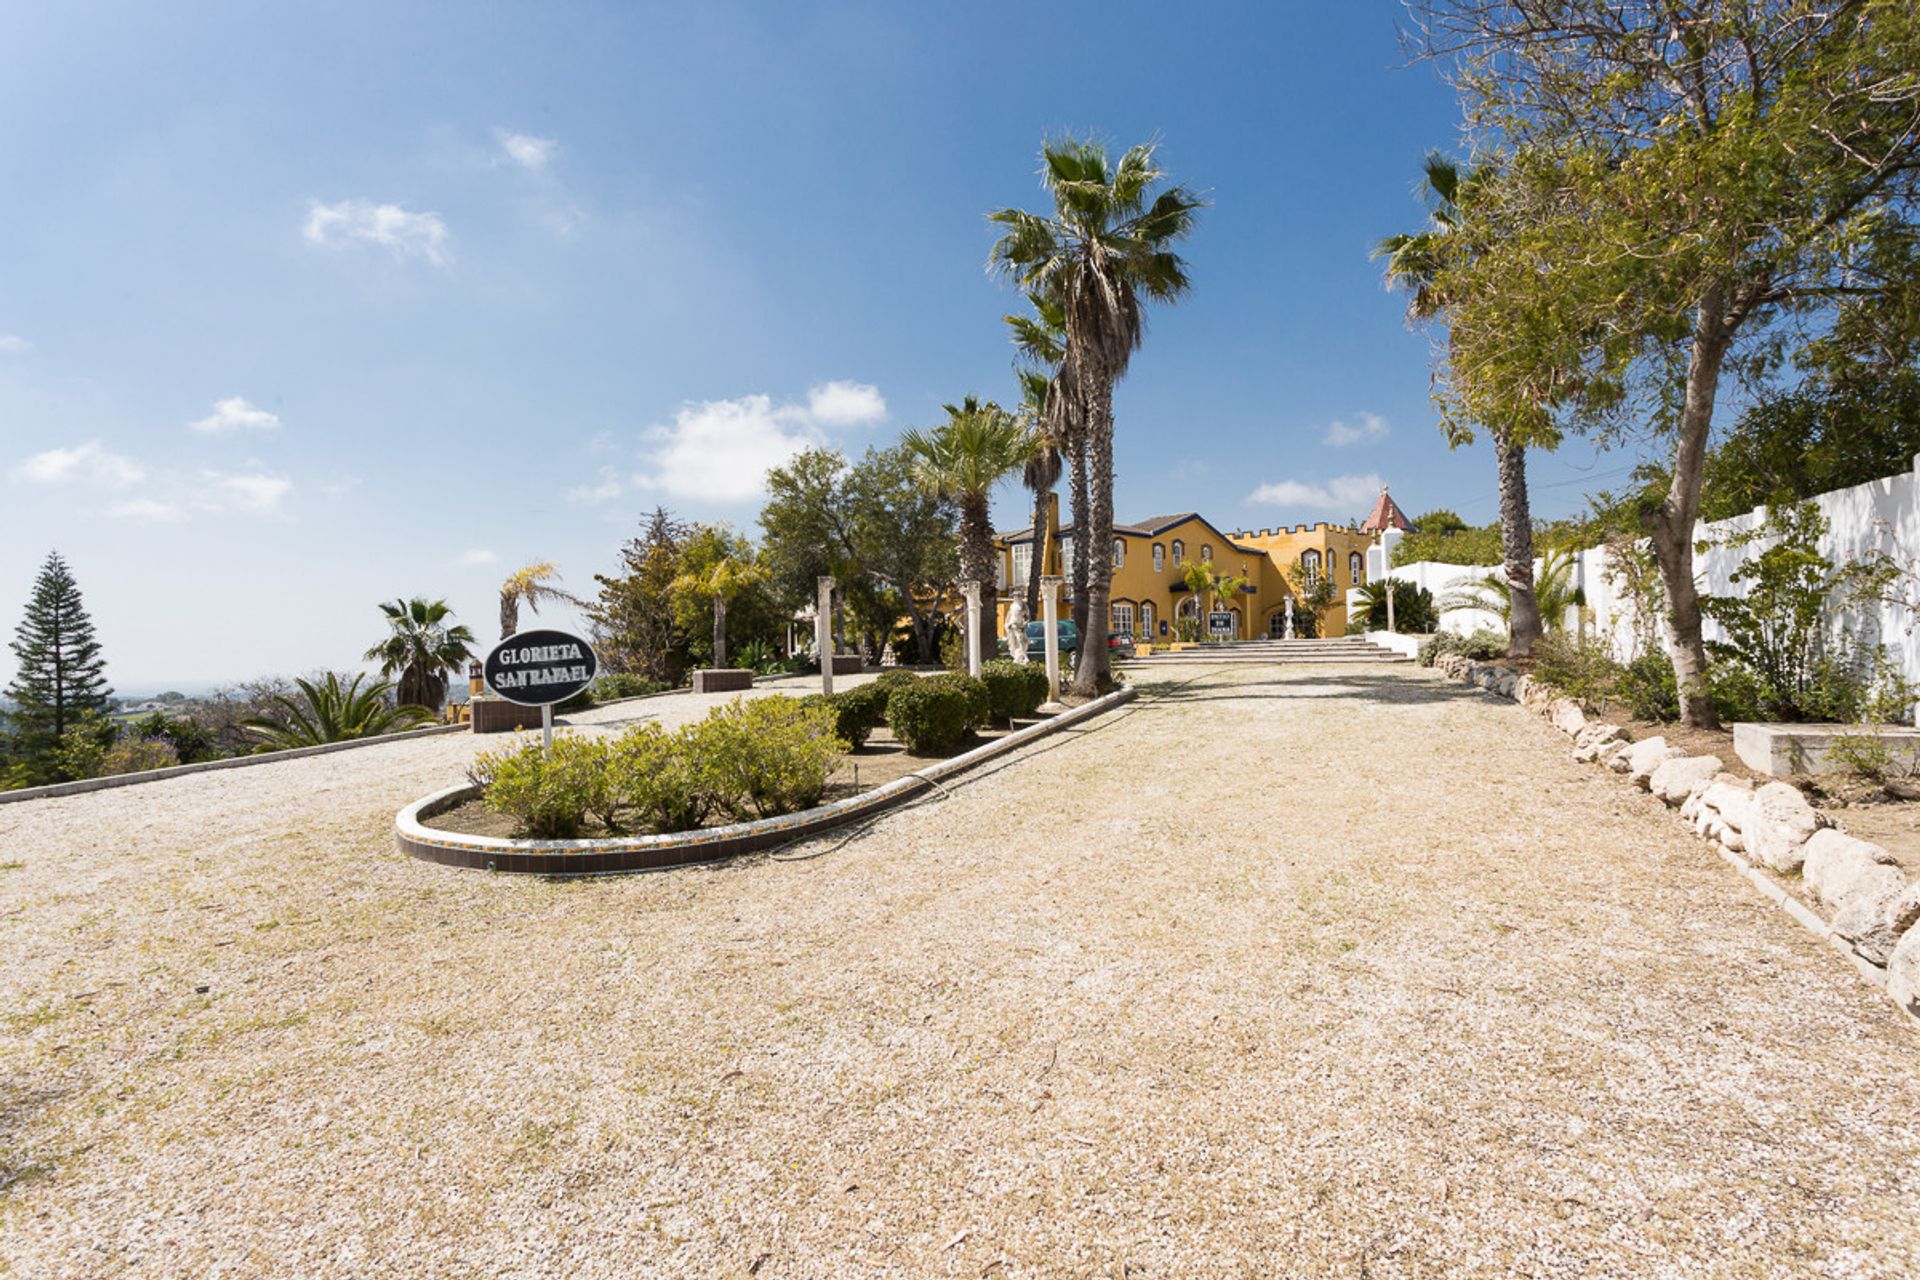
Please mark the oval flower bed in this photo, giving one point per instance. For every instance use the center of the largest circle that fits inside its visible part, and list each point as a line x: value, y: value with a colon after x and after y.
x: 750, y: 776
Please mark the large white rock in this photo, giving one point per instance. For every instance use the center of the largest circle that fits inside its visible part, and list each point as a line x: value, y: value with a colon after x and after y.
x: 1673, y: 779
x: 1646, y: 756
x: 1903, y: 972
x: 1779, y: 826
x: 1838, y: 867
x: 1873, y: 920
x: 1567, y: 716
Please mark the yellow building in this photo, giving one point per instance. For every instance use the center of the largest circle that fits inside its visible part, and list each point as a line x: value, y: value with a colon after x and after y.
x: 1150, y: 560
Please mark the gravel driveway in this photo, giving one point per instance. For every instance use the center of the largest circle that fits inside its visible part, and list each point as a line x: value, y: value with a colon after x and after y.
x: 1317, y: 971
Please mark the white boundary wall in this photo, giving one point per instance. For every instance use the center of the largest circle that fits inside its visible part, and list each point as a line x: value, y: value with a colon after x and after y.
x: 1881, y: 515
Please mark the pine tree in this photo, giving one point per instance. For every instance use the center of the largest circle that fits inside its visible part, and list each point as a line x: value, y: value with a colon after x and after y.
x: 61, y: 675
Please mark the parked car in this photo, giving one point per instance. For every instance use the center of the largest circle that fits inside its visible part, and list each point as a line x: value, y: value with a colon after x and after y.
x: 1037, y: 639
x: 1119, y: 644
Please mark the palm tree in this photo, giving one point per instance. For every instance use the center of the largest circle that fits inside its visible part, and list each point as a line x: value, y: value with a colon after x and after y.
x: 1554, y: 591
x: 1048, y: 409
x: 1104, y: 252
x: 722, y: 581
x: 422, y: 647
x: 960, y: 461
x: 332, y: 710
x: 529, y: 585
x: 1414, y: 262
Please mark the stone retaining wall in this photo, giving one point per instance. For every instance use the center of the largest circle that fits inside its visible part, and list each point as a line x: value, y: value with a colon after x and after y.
x: 1863, y: 903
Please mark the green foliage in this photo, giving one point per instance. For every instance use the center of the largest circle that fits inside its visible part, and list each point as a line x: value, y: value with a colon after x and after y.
x: 191, y: 740
x: 333, y: 709
x: 548, y: 794
x: 936, y: 713
x: 1482, y: 646
x: 633, y: 619
x: 662, y: 779
x: 423, y: 646
x: 1776, y: 630
x: 1580, y: 668
x: 1414, y: 612
x: 83, y: 747
x: 1013, y: 688
x: 769, y: 756
x: 1553, y: 587
x: 856, y: 711
x: 1647, y: 688
x: 953, y: 650
x: 623, y: 684
x: 136, y: 755
x: 61, y: 678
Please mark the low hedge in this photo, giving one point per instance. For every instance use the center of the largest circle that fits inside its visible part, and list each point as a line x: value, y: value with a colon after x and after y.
x: 1014, y: 688
x: 1483, y: 645
x: 856, y: 711
x: 936, y: 713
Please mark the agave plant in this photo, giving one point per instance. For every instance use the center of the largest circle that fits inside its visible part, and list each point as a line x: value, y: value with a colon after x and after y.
x: 332, y: 709
x: 1553, y: 587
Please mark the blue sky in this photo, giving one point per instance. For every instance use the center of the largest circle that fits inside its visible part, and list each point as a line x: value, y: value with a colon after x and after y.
x: 304, y: 307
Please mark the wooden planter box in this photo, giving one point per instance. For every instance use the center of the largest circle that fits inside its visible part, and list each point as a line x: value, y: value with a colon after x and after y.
x: 722, y: 679
x: 497, y: 715
x: 847, y: 664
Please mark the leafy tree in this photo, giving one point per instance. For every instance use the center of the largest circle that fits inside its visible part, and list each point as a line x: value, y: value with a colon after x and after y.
x: 333, y: 709
x: 423, y: 645
x: 886, y: 541
x: 1315, y: 592
x: 530, y: 585
x: 1105, y: 251
x: 960, y: 461
x: 717, y: 567
x: 61, y: 678
x: 1416, y: 263
x: 633, y: 622
x: 1721, y: 178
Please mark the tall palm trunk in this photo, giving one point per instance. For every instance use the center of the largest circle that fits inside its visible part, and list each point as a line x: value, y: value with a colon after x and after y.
x: 1672, y: 523
x: 719, y: 631
x: 1096, y: 550
x: 1516, y: 540
x: 509, y: 615
x: 1082, y: 519
x: 1040, y: 497
x: 976, y: 563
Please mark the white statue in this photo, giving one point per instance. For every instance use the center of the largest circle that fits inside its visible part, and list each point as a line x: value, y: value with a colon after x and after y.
x: 1289, y: 617
x: 1017, y: 631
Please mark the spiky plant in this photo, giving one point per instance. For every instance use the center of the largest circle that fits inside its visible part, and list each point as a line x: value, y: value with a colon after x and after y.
x: 332, y: 709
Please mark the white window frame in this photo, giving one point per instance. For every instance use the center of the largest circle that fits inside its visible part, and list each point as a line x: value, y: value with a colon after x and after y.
x: 1121, y: 617
x: 1179, y: 553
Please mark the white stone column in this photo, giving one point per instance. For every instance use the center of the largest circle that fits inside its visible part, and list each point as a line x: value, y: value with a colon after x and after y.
x: 823, y: 632
x: 1289, y: 632
x: 971, y: 590
x: 1050, y: 612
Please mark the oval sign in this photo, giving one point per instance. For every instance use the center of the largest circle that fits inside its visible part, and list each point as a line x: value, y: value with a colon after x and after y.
x: 535, y: 668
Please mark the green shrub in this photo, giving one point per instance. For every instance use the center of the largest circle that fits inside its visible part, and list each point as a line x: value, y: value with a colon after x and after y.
x: 769, y: 756
x: 1583, y: 670
x: 953, y: 650
x: 891, y: 680
x: 1648, y: 689
x: 548, y: 794
x: 934, y: 714
x: 1014, y: 688
x: 1483, y: 645
x: 136, y: 755
x: 662, y: 778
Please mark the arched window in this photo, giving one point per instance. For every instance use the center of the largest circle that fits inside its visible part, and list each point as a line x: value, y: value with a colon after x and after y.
x: 1179, y: 553
x: 1357, y: 568
x: 1310, y: 562
x: 1123, y: 617
x: 1146, y: 618
x: 1206, y: 553
x: 1119, y: 552
x: 1189, y: 607
x: 1159, y: 558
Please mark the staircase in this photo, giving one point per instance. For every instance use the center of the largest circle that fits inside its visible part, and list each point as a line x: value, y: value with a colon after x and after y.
x: 1343, y: 651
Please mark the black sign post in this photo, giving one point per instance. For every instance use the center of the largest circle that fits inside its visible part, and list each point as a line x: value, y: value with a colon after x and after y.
x: 538, y: 669
x: 1220, y: 623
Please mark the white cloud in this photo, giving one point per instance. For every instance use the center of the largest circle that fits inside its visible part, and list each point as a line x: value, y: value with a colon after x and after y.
x: 1342, y: 493
x: 477, y: 556
x: 13, y: 343
x: 87, y: 464
x: 526, y: 150
x: 721, y: 450
x: 255, y: 492
x: 400, y: 232
x: 592, y: 495
x: 144, y: 509
x: 1364, y: 427
x: 845, y: 404
x: 236, y: 413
